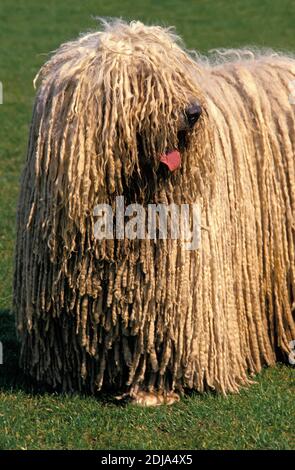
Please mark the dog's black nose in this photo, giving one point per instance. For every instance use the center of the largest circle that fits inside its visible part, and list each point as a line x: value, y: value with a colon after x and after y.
x: 193, y: 112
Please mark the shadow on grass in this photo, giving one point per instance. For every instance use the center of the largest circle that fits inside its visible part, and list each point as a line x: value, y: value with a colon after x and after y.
x: 11, y: 376
x: 10, y: 373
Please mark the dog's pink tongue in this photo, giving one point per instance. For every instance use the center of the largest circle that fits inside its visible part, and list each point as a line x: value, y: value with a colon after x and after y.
x: 171, y: 159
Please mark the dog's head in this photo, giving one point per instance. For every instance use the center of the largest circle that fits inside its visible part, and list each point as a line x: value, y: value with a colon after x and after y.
x: 150, y: 83
x: 127, y: 97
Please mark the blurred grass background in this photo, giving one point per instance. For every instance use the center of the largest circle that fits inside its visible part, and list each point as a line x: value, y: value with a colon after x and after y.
x: 260, y: 417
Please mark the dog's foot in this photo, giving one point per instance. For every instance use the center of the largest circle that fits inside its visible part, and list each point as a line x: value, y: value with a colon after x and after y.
x: 141, y: 398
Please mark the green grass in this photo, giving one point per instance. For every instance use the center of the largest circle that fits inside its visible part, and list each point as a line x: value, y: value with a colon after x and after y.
x: 259, y: 417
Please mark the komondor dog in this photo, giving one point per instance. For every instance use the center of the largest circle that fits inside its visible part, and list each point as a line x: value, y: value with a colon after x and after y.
x: 127, y: 113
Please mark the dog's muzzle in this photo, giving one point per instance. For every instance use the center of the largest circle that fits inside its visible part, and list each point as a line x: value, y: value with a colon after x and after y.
x: 193, y: 112
x: 172, y: 159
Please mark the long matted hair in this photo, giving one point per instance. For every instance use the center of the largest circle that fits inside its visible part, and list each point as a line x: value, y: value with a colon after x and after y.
x: 140, y: 313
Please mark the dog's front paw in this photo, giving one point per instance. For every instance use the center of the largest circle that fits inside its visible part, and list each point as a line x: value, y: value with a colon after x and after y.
x: 142, y: 398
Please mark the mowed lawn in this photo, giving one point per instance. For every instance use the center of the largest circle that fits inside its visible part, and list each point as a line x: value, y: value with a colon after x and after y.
x: 260, y: 417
